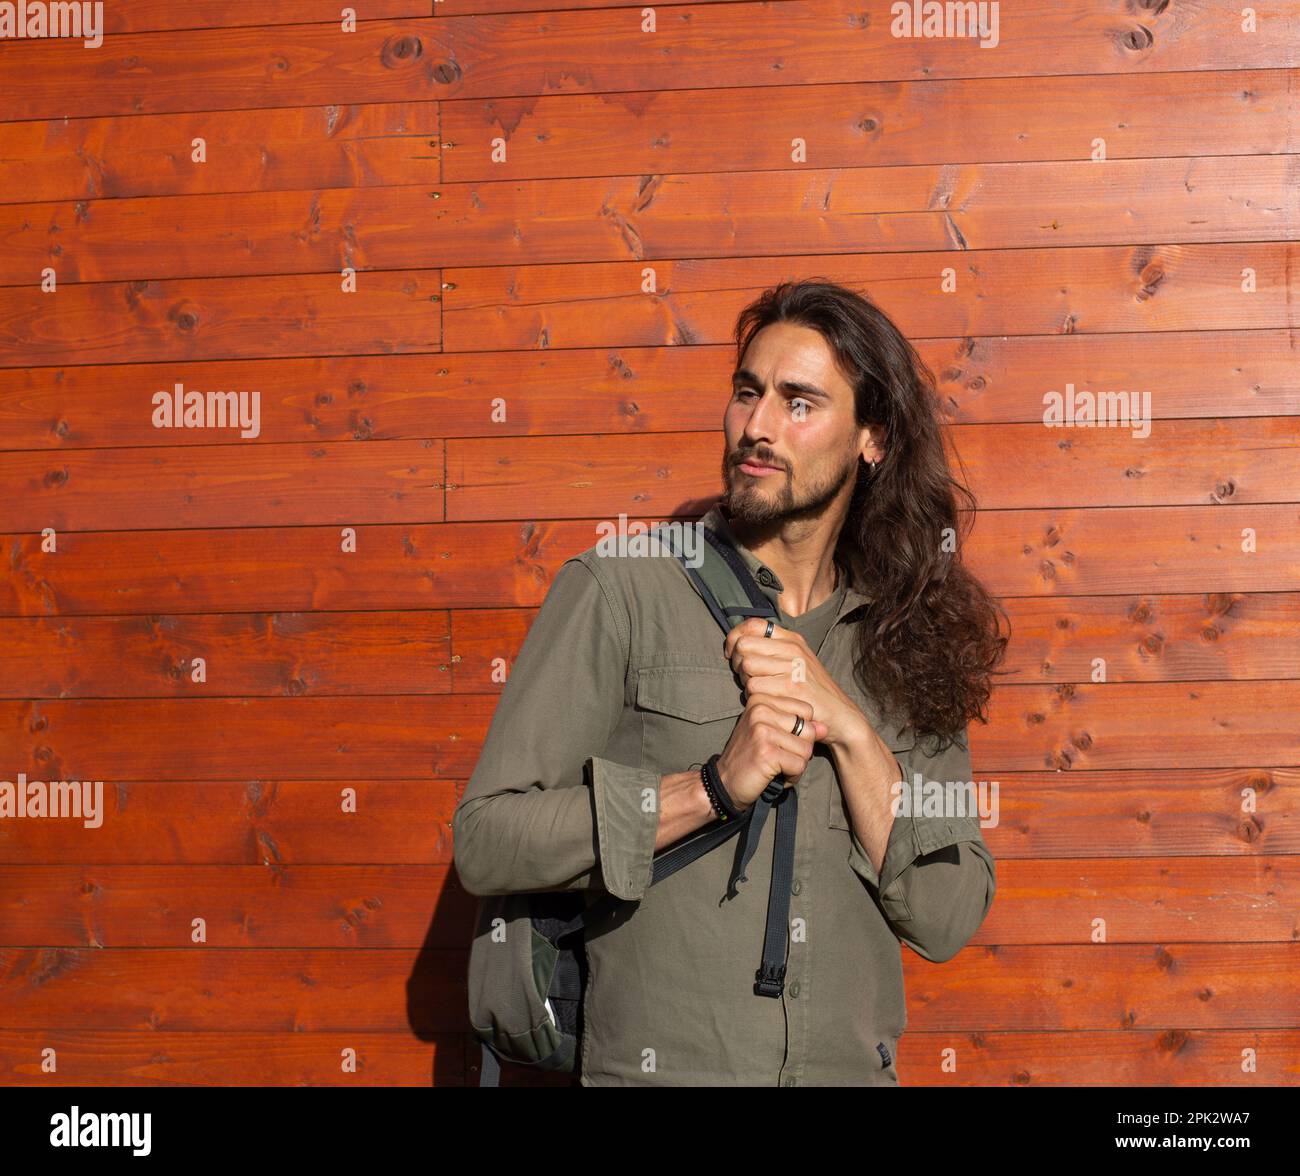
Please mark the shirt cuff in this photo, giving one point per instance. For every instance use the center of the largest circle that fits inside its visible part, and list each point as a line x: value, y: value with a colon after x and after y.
x: 627, y: 825
x: 860, y: 862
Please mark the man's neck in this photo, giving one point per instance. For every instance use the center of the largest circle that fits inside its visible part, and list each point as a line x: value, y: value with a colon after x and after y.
x: 804, y: 562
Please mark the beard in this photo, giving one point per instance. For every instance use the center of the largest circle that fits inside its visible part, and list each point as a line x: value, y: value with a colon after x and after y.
x: 769, y: 501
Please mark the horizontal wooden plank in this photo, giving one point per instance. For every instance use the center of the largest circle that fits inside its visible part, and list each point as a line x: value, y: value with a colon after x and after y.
x: 1149, y: 900
x: 1173, y: 813
x: 1020, y: 291
x: 1063, y: 552
x: 1114, y: 986
x: 224, y: 234
x: 1167, y: 463
x: 1151, y: 638
x: 393, y: 735
x: 306, y: 990
x: 247, y: 822
x: 188, y: 319
x: 112, y: 1057
x: 393, y: 567
x: 352, y: 146
x: 517, y: 53
x: 1215, y: 374
x: 281, y: 990
x: 894, y: 124
x: 1120, y: 463
x: 407, y: 736
x: 450, y: 8
x: 1188, y: 900
x: 145, y: 1057
x: 273, y: 905
x: 224, y: 485
x: 1152, y: 725
x: 1122, y: 1057
x: 856, y: 210
x: 244, y: 654
x: 1156, y: 638
x: 1170, y: 463
x: 152, y: 15
x: 1146, y: 813
x: 1169, y: 724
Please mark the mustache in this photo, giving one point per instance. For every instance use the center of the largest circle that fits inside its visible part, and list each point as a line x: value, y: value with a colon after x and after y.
x: 755, y: 459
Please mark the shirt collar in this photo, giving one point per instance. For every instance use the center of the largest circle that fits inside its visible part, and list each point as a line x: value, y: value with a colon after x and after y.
x: 765, y: 577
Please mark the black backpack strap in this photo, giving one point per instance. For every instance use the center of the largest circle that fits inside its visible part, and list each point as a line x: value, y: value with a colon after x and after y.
x: 762, y: 606
x: 668, y: 862
x: 769, y: 980
x: 755, y: 819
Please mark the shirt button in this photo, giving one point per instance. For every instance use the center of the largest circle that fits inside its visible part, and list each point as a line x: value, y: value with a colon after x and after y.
x: 794, y: 988
x: 765, y: 577
x: 796, y: 886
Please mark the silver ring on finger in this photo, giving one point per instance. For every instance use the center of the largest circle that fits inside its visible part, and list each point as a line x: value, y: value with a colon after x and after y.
x: 798, y: 724
x: 771, y: 624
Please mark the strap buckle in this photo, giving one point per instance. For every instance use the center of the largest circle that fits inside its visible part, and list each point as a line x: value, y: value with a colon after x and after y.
x: 769, y: 980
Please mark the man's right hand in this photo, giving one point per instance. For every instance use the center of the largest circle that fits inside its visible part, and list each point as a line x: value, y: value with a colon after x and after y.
x: 763, y: 746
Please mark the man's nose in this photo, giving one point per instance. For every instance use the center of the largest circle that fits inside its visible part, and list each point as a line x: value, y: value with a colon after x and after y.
x: 761, y: 424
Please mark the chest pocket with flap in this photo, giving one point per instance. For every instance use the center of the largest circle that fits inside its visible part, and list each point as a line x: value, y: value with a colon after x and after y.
x: 688, y: 713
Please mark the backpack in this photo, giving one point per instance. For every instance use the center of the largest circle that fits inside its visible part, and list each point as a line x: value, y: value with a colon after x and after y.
x: 527, y: 964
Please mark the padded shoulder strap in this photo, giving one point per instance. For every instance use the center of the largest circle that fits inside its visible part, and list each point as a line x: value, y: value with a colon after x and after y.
x: 723, y: 580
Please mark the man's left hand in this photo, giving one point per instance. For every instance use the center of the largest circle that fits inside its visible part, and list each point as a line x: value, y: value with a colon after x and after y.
x: 783, y: 665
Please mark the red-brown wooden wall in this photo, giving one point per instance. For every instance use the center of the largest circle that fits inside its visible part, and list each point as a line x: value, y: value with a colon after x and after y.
x: 525, y: 279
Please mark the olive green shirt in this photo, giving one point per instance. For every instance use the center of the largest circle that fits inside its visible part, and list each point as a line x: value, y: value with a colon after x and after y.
x: 621, y: 680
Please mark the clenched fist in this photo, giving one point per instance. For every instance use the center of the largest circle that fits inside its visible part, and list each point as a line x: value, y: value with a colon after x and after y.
x: 763, y: 746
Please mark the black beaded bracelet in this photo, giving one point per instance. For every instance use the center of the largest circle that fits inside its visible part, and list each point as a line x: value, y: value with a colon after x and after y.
x: 716, y: 791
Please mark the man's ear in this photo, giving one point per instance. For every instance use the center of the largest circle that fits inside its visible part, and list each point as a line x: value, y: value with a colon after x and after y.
x: 873, y: 443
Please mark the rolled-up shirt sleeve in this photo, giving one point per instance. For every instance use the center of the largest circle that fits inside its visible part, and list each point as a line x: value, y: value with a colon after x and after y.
x: 937, y: 881
x: 543, y: 810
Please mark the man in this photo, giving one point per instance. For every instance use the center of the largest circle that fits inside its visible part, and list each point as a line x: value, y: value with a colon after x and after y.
x: 625, y: 686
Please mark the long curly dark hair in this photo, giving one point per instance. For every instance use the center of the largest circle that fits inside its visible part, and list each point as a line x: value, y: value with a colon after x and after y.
x: 930, y: 640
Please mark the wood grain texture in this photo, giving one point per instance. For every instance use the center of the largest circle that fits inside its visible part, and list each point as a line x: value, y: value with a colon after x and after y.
x: 510, y: 54
x: 1144, y: 1058
x: 353, y: 146
x: 227, y: 318
x: 152, y: 15
x: 262, y: 822
x: 224, y: 486
x: 746, y: 128
x: 846, y: 211
x: 152, y: 1057
x: 248, y: 654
